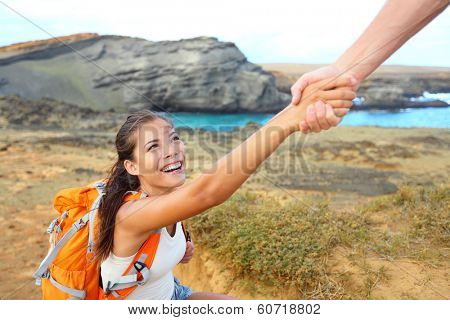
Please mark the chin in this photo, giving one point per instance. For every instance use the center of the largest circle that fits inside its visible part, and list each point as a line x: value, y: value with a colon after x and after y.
x: 173, y: 182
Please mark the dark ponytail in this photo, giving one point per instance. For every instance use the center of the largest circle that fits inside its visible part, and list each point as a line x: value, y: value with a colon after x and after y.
x: 119, y: 181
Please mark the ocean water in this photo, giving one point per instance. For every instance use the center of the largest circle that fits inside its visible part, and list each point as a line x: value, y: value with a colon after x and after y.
x: 404, y: 118
x: 401, y: 118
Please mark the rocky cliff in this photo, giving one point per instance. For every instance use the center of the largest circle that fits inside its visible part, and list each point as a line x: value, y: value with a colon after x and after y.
x: 389, y: 87
x: 125, y: 74
x: 201, y: 74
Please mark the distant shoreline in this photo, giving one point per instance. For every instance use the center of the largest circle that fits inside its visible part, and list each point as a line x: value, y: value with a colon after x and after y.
x: 48, y: 113
x: 390, y: 87
x: 295, y: 68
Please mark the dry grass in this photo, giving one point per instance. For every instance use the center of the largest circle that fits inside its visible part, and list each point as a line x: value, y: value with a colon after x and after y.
x: 287, y: 246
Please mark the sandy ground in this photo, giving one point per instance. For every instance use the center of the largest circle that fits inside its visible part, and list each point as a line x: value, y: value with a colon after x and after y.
x: 350, y: 165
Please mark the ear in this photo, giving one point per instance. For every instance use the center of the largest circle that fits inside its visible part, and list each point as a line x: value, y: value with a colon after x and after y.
x: 131, y: 167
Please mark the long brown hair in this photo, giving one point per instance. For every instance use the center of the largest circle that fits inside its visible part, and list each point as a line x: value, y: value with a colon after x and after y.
x: 119, y: 181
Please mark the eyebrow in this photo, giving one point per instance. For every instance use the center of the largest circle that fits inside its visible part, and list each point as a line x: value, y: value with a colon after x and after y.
x: 155, y: 140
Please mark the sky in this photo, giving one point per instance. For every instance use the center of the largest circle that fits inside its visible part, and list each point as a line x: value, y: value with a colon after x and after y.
x: 277, y: 31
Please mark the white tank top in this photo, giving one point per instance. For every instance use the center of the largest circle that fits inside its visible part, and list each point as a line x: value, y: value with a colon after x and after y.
x: 160, y: 284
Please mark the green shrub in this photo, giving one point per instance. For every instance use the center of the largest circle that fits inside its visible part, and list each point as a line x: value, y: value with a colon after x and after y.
x: 278, y: 245
x: 287, y: 245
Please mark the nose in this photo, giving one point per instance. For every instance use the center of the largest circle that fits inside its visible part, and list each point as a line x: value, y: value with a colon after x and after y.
x: 171, y: 151
x: 171, y: 155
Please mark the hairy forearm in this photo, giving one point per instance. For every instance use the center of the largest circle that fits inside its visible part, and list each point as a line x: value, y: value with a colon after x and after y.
x: 397, y: 22
x: 233, y: 169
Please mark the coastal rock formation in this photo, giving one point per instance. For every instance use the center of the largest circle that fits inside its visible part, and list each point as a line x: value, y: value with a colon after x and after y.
x: 125, y: 74
x: 390, y: 87
x: 396, y: 90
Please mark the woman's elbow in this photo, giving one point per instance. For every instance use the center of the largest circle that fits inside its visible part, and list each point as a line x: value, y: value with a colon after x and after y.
x: 212, y: 198
x: 209, y: 193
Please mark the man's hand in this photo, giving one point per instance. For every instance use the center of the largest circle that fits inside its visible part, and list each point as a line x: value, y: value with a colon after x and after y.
x: 337, y: 93
x: 189, y: 252
x: 327, y: 72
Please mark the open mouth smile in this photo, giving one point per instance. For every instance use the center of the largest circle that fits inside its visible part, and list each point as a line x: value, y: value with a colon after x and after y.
x: 173, y: 168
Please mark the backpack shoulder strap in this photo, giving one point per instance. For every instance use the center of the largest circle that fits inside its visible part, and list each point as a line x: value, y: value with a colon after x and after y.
x: 134, y: 195
x: 187, y: 235
x: 137, y: 273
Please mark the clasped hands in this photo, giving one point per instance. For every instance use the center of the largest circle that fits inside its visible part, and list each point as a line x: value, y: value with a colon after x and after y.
x: 328, y: 93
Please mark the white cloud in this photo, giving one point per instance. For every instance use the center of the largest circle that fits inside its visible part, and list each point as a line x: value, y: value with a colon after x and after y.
x: 266, y: 31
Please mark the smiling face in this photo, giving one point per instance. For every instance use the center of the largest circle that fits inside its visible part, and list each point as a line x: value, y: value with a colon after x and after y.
x: 159, y: 157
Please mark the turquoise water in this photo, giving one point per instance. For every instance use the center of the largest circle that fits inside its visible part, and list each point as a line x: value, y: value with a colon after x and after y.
x: 407, y: 118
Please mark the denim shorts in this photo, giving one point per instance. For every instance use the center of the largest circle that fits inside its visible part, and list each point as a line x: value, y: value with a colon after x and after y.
x: 180, y: 292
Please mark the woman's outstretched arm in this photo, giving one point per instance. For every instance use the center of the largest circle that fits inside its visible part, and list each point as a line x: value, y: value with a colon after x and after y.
x: 232, y: 170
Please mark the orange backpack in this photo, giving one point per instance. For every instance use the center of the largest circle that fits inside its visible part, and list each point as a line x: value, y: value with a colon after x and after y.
x: 69, y: 271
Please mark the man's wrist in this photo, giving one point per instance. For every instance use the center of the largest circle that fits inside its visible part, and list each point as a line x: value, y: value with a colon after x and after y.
x: 342, y: 67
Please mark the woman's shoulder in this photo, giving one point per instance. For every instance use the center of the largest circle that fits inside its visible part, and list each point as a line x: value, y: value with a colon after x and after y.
x: 127, y: 239
x: 127, y: 210
x: 129, y: 200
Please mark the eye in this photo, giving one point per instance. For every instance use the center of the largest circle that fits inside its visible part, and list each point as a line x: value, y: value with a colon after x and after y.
x: 176, y: 138
x: 152, y: 147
